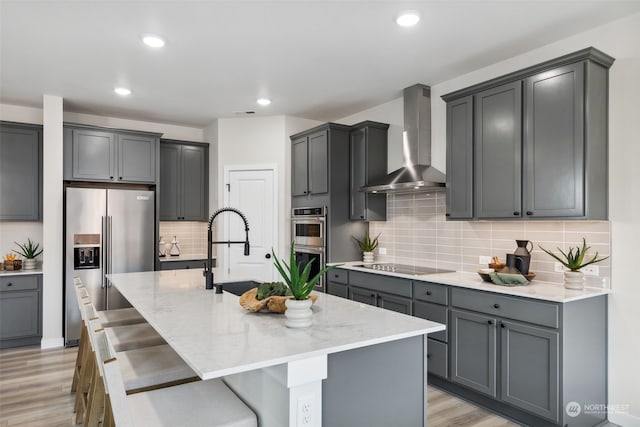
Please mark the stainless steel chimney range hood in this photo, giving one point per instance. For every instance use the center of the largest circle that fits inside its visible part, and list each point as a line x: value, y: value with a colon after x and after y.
x: 416, y: 174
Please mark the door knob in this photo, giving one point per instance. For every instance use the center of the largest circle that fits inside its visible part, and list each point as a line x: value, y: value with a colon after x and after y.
x: 267, y: 256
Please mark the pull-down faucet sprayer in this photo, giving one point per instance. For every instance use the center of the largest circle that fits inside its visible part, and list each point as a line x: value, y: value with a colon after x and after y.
x: 208, y: 273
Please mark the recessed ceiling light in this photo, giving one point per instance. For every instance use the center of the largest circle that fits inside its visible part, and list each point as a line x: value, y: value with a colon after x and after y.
x: 408, y: 19
x: 122, y: 91
x: 263, y: 101
x: 152, y: 41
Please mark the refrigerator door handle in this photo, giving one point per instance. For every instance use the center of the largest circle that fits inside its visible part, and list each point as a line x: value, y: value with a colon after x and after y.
x: 103, y: 256
x: 110, y: 254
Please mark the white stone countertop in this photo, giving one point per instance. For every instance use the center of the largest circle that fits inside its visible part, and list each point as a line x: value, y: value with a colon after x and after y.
x: 20, y: 272
x: 184, y: 257
x: 536, y: 289
x: 217, y: 337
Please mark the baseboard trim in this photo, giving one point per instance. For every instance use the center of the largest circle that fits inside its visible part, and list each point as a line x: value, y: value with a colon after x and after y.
x: 622, y: 419
x: 51, y: 343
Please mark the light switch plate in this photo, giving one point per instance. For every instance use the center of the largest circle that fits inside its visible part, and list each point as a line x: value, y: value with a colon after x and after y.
x: 382, y: 251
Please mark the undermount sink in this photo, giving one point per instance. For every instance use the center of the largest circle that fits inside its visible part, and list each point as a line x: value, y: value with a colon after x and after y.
x: 239, y: 288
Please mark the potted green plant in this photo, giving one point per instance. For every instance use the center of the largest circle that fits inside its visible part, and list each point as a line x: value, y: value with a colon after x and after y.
x: 574, y: 260
x: 29, y: 251
x: 367, y: 246
x: 298, y: 312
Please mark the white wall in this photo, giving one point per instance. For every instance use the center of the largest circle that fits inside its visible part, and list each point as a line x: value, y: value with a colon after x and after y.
x: 620, y: 40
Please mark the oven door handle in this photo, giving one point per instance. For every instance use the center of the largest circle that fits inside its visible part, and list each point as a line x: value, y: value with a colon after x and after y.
x: 309, y: 249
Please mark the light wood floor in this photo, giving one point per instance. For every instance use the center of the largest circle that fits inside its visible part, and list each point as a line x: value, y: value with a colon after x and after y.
x: 35, y: 384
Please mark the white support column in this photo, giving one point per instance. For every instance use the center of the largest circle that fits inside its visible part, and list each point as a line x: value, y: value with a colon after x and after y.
x: 52, y: 211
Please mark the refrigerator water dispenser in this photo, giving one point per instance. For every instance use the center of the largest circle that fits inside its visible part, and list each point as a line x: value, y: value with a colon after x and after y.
x: 86, y: 257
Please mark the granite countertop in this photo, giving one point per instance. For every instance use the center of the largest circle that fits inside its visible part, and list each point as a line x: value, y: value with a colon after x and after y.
x: 536, y: 289
x: 217, y: 337
x: 20, y: 272
x: 185, y: 257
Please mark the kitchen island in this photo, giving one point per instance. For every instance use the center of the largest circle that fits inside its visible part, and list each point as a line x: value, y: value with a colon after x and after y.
x: 356, y: 365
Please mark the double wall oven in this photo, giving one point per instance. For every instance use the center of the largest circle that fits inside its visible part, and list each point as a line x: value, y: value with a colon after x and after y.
x: 308, y: 231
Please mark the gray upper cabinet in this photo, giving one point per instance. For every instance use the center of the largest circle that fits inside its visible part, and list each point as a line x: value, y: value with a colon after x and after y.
x: 368, y: 162
x: 20, y: 172
x: 539, y: 144
x: 554, y: 144
x: 106, y: 155
x: 183, y: 181
x: 460, y: 158
x: 498, y: 144
x: 310, y: 164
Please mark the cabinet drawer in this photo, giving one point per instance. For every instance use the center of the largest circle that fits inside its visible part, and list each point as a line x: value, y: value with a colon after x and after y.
x: 379, y: 282
x: 18, y: 283
x: 438, y: 358
x: 430, y: 292
x: 435, y: 313
x: 526, y: 310
x: 183, y: 265
x: 338, y: 275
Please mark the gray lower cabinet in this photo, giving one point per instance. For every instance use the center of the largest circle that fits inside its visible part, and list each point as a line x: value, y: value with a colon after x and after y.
x: 20, y: 310
x: 539, y: 144
x: 110, y: 155
x: 337, y: 289
x: 368, y: 163
x: 381, y: 299
x: 183, y: 181
x: 20, y: 172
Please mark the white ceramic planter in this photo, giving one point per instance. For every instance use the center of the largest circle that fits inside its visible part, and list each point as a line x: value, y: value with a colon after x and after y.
x: 298, y: 313
x: 29, y: 264
x: 573, y: 279
x: 367, y: 257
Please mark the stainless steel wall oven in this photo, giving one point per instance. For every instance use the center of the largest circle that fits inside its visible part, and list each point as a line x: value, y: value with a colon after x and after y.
x: 308, y: 231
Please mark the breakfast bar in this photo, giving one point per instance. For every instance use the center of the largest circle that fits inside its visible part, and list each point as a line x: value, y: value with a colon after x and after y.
x: 356, y: 365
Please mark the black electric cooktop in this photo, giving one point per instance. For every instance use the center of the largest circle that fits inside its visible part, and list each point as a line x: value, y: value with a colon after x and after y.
x: 403, y: 269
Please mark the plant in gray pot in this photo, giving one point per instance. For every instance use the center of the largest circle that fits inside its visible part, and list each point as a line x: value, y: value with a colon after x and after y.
x: 30, y: 252
x: 298, y: 313
x: 574, y: 260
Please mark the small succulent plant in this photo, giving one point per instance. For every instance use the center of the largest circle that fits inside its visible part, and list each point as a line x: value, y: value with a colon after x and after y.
x: 367, y: 244
x: 574, y: 259
x: 29, y: 250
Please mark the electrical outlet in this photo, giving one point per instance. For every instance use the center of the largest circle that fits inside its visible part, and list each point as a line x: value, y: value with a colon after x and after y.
x: 589, y: 270
x: 484, y: 260
x: 382, y: 251
x: 305, y: 410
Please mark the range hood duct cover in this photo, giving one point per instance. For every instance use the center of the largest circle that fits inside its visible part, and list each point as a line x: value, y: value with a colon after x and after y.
x: 416, y: 174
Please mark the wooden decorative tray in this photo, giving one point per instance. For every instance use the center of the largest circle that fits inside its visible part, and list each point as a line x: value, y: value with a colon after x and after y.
x: 273, y: 304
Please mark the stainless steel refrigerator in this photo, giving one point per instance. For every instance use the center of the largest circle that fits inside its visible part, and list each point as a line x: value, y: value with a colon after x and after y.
x: 106, y: 231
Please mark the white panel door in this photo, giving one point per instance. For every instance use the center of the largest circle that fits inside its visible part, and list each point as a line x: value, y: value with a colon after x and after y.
x: 253, y: 193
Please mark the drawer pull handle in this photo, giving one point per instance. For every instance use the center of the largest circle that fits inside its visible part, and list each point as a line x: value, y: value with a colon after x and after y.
x: 496, y: 305
x: 9, y: 284
x: 502, y: 325
x: 428, y: 292
x: 490, y: 322
x: 336, y: 276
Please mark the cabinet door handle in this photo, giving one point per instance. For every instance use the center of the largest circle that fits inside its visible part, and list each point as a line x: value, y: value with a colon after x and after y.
x: 428, y: 355
x: 119, y: 177
x: 516, y: 213
x: 428, y: 292
x: 111, y: 177
x: 502, y: 325
x: 529, y: 213
x: 447, y: 214
x: 361, y: 216
x: 496, y: 305
x: 490, y: 322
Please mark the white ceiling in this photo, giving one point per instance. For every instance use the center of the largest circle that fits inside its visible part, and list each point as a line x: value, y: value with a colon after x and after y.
x: 316, y: 59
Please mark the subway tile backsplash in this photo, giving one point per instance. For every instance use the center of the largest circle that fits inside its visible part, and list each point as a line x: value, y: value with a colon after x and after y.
x: 417, y: 233
x: 191, y: 235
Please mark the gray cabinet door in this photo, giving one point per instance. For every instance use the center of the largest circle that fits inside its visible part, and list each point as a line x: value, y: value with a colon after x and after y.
x: 136, y: 158
x: 194, y: 180
x: 529, y: 368
x: 337, y: 289
x: 94, y: 155
x: 299, y: 167
x: 498, y: 162
x: 19, y: 314
x: 363, y: 295
x: 20, y: 173
x: 554, y: 148
x: 473, y: 351
x: 394, y: 303
x: 318, y: 162
x: 170, y: 182
x: 358, y: 174
x: 460, y: 159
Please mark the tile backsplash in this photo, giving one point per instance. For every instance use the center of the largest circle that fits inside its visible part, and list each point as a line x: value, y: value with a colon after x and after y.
x: 191, y: 235
x: 417, y: 233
